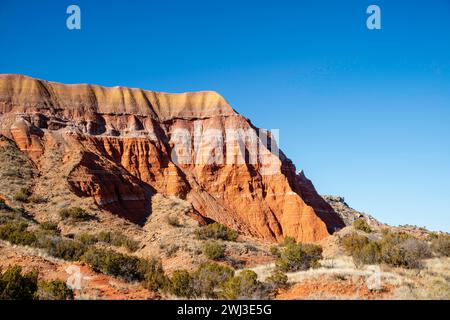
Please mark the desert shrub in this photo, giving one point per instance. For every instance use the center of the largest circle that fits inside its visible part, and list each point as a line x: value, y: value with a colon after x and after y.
x: 75, y: 214
x: 208, y: 278
x: 86, y: 238
x: 297, y: 256
x: 129, y: 268
x: 153, y: 276
x: 173, y: 221
x: 217, y: 231
x: 406, y: 253
x: 17, y: 286
x: 182, y: 284
x: 213, y: 250
x: 353, y: 242
x: 54, y: 290
x: 275, y: 251
x: 22, y: 195
x: 277, y: 280
x: 362, y: 225
x: 118, y: 240
x: 69, y: 250
x: 361, y: 249
x: 441, y: 245
x: 394, y: 249
x: 288, y: 240
x: 50, y: 227
x: 16, y: 232
x: 243, y: 286
x: 114, y: 263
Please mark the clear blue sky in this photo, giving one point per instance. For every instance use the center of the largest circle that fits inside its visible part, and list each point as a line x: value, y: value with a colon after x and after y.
x: 365, y: 113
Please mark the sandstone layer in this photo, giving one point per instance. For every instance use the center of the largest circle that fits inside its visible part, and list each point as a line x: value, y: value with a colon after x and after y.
x: 123, y: 147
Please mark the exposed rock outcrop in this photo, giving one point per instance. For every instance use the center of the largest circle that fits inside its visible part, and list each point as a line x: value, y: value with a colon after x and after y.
x: 128, y: 144
x: 348, y: 214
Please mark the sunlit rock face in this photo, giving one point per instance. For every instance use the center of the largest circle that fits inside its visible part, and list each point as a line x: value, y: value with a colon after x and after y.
x: 128, y: 144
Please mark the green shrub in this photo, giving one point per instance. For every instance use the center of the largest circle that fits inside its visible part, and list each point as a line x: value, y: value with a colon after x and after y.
x: 406, y: 253
x: 129, y: 268
x: 353, y: 242
x: 244, y: 286
x: 362, y: 225
x: 277, y: 280
x: 75, y: 214
x: 394, y: 249
x: 362, y: 250
x: 208, y: 278
x: 217, y: 231
x: 275, y: 251
x: 118, y: 240
x: 54, y: 290
x: 288, y: 240
x: 69, y: 250
x: 173, y: 221
x: 182, y: 284
x: 17, y: 286
x: 153, y: 276
x: 114, y: 263
x: 441, y: 245
x: 16, y: 232
x: 213, y: 250
x: 297, y: 256
x: 86, y: 238
x: 22, y: 195
x: 51, y: 228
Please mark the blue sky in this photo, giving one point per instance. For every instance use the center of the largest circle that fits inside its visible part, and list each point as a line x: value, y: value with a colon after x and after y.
x: 365, y: 113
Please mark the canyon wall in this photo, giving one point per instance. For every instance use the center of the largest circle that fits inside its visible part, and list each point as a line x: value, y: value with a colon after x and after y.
x: 126, y: 145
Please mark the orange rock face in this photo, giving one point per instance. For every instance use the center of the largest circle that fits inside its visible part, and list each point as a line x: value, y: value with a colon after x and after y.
x: 127, y: 144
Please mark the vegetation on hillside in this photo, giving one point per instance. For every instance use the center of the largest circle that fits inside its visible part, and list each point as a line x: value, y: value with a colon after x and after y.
x: 17, y: 285
x: 217, y: 231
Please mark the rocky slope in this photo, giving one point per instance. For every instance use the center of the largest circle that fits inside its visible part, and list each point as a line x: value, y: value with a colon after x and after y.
x: 348, y: 214
x: 122, y: 146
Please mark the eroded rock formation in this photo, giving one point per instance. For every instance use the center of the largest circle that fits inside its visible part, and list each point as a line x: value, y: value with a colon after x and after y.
x: 126, y: 144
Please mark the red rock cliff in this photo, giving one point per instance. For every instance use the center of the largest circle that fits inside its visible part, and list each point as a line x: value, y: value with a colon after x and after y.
x: 126, y: 144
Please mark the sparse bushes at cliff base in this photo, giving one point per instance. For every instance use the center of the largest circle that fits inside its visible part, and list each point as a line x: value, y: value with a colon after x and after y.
x: 394, y: 249
x: 297, y: 256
